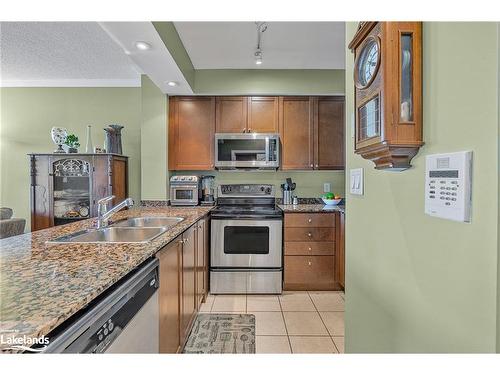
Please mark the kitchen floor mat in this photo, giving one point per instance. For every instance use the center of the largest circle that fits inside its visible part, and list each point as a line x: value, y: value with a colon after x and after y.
x: 222, y: 334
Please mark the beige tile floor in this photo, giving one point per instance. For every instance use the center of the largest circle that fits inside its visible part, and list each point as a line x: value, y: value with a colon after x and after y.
x: 295, y: 322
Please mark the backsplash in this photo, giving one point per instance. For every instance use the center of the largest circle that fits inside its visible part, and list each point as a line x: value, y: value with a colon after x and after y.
x: 309, y: 183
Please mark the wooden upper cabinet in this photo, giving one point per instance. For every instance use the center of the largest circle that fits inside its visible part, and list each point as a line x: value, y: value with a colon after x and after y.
x: 296, y: 132
x: 231, y: 114
x: 312, y: 132
x: 262, y: 114
x: 329, y: 133
x: 191, y: 133
x: 311, y: 128
x: 246, y: 114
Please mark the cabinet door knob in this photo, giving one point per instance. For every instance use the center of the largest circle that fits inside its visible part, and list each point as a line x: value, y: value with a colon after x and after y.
x: 309, y: 263
x: 311, y: 165
x: 309, y: 220
x: 309, y: 249
x: 309, y: 234
x: 317, y: 165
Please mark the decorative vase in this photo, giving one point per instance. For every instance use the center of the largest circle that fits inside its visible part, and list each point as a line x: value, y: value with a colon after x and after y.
x: 114, y: 139
x: 88, y: 146
x: 72, y: 150
x: 59, y: 137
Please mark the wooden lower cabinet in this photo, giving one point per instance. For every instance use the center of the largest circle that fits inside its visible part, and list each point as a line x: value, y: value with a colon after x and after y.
x: 183, y: 284
x: 169, y: 292
x: 309, y: 272
x: 188, y: 304
x: 310, y: 251
x: 340, y: 260
x: 201, y: 261
x: 309, y: 234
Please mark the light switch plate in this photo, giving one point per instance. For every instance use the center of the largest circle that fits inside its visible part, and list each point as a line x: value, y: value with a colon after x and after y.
x: 356, y: 181
x: 327, y: 187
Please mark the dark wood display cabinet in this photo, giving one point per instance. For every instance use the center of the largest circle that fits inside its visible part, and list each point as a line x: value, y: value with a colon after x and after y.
x: 388, y: 92
x: 66, y: 187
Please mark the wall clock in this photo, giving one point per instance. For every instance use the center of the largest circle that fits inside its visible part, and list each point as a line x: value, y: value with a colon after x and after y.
x: 367, y: 63
x: 388, y: 92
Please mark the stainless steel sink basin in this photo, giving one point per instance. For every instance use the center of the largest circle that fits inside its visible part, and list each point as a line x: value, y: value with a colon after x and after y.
x: 150, y: 222
x: 112, y: 234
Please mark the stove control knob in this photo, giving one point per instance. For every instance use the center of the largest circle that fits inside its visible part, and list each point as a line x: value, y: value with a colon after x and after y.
x: 262, y: 188
x: 268, y: 190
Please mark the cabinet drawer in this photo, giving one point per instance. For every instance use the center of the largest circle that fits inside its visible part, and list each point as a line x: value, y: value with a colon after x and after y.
x: 309, y: 273
x: 309, y: 248
x: 309, y: 234
x: 310, y: 220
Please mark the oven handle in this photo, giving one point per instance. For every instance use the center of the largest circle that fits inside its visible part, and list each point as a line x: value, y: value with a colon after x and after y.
x: 247, y: 218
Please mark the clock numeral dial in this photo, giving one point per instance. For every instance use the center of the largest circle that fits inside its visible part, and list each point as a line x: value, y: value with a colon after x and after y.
x: 368, y: 63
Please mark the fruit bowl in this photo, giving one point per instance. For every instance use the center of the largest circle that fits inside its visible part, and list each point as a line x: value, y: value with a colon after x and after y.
x: 331, y: 202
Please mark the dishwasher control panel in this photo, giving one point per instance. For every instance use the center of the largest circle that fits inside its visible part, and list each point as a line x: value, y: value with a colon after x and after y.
x: 448, y: 181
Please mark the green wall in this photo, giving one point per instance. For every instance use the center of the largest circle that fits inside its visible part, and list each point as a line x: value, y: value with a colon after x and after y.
x: 154, y: 179
x: 415, y: 283
x: 269, y: 82
x: 28, y: 114
x: 309, y: 184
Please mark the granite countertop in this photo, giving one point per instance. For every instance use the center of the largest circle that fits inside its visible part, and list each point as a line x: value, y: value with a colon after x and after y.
x: 42, y: 285
x: 315, y: 207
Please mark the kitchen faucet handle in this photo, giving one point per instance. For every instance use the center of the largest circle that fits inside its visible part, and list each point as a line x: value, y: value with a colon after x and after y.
x: 105, y: 199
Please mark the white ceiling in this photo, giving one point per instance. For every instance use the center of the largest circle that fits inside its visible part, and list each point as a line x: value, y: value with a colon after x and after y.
x: 157, y: 62
x: 285, y: 45
x: 63, y: 54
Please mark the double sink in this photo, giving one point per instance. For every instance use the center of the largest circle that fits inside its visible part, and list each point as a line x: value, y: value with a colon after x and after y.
x: 131, y: 230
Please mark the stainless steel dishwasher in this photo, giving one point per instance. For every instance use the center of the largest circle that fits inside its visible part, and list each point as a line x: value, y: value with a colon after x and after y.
x: 124, y: 320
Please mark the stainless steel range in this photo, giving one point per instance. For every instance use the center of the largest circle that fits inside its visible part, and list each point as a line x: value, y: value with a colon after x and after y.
x: 246, y: 238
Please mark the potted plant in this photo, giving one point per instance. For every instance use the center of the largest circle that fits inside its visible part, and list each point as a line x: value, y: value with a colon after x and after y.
x: 72, y: 143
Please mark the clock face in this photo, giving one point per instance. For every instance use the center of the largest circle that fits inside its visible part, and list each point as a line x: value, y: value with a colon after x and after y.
x: 368, y: 63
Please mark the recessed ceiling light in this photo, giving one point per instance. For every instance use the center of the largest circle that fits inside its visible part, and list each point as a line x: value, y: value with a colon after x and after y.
x: 172, y: 83
x: 143, y: 46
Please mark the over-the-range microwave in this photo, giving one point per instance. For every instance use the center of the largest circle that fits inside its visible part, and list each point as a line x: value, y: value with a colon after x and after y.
x: 246, y: 151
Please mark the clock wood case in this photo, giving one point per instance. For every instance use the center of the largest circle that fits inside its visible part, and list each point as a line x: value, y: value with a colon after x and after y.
x: 388, y: 92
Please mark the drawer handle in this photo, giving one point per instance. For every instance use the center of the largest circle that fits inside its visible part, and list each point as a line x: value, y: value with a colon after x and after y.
x: 309, y: 234
x: 309, y: 249
x: 309, y: 220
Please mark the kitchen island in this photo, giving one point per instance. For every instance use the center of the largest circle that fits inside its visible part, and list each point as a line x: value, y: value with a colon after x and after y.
x: 42, y: 285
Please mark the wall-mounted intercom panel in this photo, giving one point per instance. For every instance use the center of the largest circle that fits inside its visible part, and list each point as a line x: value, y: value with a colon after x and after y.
x: 448, y: 183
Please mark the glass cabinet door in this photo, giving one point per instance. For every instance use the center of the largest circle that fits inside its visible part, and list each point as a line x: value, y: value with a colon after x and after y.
x: 406, y: 78
x: 369, y: 119
x: 71, y: 190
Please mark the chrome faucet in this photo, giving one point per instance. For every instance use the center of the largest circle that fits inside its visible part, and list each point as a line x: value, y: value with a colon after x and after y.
x: 103, y: 214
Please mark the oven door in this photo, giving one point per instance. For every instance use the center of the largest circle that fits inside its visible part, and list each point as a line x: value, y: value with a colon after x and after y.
x: 184, y: 194
x: 246, y: 243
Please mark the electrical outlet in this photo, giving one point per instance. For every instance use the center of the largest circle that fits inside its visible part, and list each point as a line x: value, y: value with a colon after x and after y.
x: 327, y: 187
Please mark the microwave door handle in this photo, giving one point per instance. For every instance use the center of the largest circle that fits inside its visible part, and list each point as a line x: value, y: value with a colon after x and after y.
x: 267, y: 150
